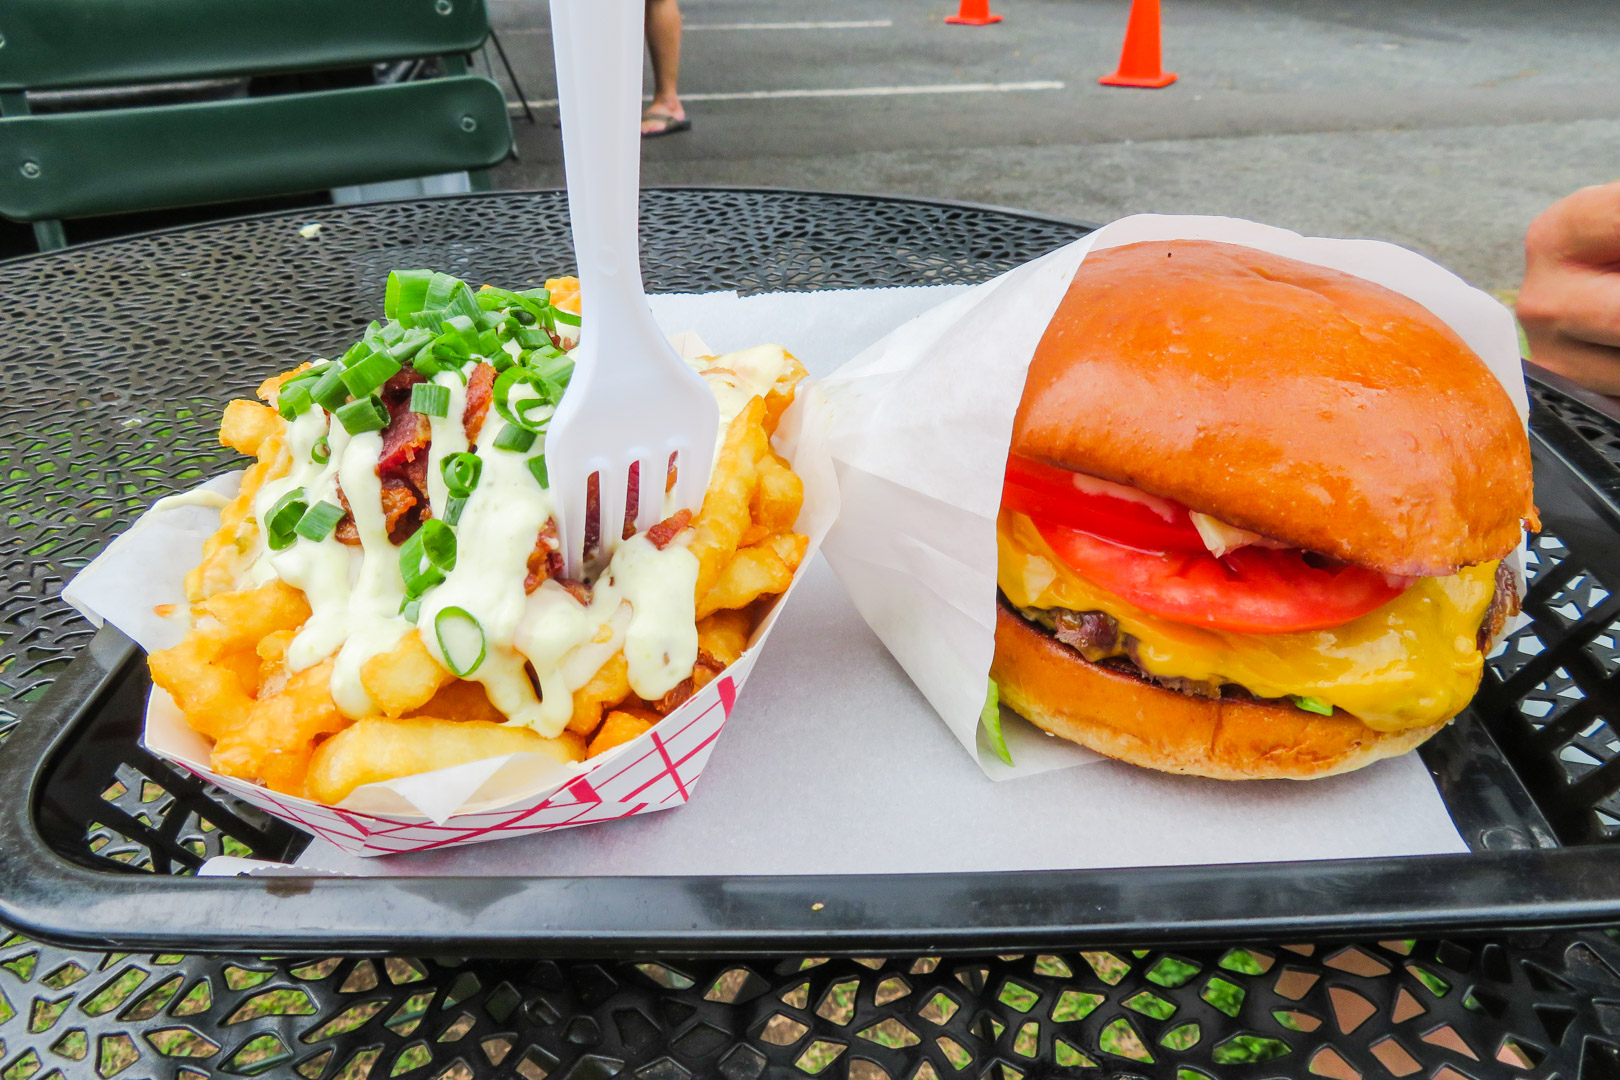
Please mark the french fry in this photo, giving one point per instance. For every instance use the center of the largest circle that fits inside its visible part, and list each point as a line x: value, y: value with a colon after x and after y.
x: 781, y: 395
x: 765, y: 568
x: 719, y: 526
x: 564, y: 293
x: 247, y: 424
x: 723, y: 636
x: 460, y: 700
x: 199, y: 673
x: 617, y: 729
x: 776, y: 502
x: 376, y: 749
x: 404, y: 678
x: 276, y: 742
x: 253, y: 429
x: 272, y: 653
x: 609, y: 686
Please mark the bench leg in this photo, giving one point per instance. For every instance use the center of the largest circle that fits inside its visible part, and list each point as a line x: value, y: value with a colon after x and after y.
x: 49, y: 235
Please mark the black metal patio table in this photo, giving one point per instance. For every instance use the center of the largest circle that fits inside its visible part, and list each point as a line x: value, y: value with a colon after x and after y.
x: 158, y: 331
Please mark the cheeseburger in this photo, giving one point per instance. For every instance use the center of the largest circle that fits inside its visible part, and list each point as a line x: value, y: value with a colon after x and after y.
x: 1255, y: 517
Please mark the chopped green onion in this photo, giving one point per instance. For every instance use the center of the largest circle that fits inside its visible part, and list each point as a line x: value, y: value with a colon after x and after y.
x: 293, y: 401
x: 537, y: 466
x: 369, y: 374
x: 990, y: 723
x: 461, y: 640
x: 549, y: 393
x: 366, y: 414
x: 282, y: 521
x: 460, y: 335
x: 321, y: 452
x: 453, y: 509
x: 409, y: 343
x: 410, y: 609
x: 491, y: 298
x: 357, y: 352
x: 1315, y: 705
x: 562, y: 316
x: 556, y: 370
x: 407, y: 292
x: 319, y: 521
x: 534, y: 338
x: 308, y: 375
x: 329, y: 392
x: 391, y: 332
x: 461, y: 472
x: 513, y: 437
x: 427, y: 557
x: 430, y: 399
x: 452, y: 296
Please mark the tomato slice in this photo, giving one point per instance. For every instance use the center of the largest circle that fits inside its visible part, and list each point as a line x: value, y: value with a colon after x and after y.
x: 1251, y: 590
x: 1109, y: 511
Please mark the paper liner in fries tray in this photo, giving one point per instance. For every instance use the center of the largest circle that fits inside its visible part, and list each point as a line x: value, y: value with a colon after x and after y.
x: 511, y: 795
x: 919, y: 425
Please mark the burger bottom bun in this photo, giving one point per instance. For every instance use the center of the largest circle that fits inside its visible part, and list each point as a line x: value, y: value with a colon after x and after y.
x: 1125, y: 717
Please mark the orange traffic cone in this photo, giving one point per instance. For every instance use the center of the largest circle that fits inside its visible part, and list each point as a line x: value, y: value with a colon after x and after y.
x: 1139, y: 61
x: 973, y: 13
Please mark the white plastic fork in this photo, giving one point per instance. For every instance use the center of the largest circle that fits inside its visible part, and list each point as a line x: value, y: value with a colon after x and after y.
x: 631, y: 400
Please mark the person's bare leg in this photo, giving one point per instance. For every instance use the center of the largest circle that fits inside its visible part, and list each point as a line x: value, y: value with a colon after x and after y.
x: 664, y: 46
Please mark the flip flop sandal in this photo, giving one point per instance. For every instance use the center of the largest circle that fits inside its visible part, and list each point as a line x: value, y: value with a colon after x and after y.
x: 671, y: 125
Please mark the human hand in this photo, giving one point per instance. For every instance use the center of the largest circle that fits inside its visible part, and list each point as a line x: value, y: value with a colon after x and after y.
x: 1569, y: 303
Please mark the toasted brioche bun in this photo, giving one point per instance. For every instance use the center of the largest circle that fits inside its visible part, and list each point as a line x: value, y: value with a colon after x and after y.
x: 1122, y: 716
x: 1284, y: 398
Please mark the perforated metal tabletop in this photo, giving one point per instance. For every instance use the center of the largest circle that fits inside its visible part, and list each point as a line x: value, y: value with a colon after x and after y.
x: 114, y: 360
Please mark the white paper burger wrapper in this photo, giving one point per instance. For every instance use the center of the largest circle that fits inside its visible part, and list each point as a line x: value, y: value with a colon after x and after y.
x: 512, y: 795
x: 919, y: 425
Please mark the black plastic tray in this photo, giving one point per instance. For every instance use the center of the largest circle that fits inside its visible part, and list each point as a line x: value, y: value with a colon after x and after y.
x: 1529, y: 774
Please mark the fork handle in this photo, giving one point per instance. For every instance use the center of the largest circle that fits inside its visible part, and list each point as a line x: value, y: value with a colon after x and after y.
x: 598, y: 55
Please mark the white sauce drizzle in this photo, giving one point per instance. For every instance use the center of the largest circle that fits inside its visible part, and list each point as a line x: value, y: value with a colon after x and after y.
x: 375, y: 625
x: 496, y: 533
x: 643, y: 603
x: 449, y: 435
x: 324, y: 571
x: 737, y: 378
x: 211, y: 499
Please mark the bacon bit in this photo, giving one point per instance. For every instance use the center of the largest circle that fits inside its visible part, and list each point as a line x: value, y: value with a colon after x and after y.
x: 346, y: 531
x: 544, y: 545
x: 577, y: 589
x: 674, y: 699
x: 404, y: 439
x: 397, y: 500
x: 703, y: 673
x: 632, y: 501
x: 480, y: 388
x: 545, y: 561
x: 632, y: 497
x: 662, y: 533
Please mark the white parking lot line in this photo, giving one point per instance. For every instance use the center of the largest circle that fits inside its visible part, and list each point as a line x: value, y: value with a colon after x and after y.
x: 832, y: 24
x: 846, y: 91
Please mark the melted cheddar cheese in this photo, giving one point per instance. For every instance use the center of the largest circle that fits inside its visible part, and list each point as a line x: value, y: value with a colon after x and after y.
x: 1411, y: 663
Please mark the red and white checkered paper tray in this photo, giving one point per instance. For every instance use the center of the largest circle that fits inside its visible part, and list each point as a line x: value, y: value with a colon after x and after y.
x: 512, y: 795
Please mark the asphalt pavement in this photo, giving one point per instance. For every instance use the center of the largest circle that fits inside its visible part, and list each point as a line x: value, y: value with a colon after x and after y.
x: 1441, y: 125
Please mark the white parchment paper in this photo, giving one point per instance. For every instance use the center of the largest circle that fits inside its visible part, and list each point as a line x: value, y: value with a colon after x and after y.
x: 834, y: 761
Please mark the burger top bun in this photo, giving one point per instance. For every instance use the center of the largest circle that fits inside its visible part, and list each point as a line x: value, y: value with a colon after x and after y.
x: 1285, y: 398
